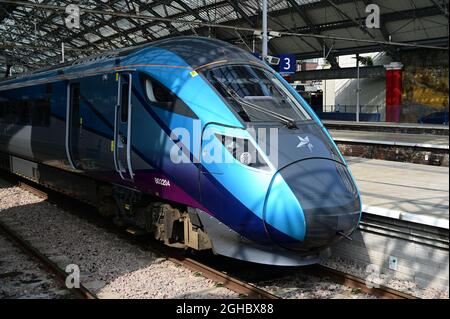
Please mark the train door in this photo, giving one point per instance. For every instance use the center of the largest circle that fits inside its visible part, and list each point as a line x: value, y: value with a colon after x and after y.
x: 211, y: 169
x: 73, y: 125
x: 122, y: 127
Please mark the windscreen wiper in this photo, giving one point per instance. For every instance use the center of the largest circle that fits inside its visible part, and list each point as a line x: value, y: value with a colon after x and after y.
x: 289, y: 122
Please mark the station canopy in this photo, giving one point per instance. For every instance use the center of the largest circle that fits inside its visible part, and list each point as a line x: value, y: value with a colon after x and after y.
x: 32, y: 33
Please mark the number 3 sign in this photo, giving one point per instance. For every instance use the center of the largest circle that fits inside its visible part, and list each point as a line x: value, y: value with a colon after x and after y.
x: 288, y: 64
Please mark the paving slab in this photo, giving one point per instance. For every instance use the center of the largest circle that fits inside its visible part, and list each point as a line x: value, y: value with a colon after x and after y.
x: 386, y: 138
x: 412, y: 192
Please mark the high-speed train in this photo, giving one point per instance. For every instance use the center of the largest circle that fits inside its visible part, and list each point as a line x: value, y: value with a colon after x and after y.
x: 191, y: 139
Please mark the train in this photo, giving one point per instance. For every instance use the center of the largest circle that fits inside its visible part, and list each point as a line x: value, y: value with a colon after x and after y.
x: 192, y: 140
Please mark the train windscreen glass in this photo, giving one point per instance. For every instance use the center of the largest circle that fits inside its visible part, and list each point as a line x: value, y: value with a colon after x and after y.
x: 257, y: 95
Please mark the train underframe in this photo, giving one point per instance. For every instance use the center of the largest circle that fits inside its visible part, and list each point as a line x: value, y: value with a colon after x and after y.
x: 173, y: 224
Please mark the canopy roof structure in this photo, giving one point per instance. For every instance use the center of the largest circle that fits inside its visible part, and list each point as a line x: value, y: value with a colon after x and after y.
x: 32, y: 33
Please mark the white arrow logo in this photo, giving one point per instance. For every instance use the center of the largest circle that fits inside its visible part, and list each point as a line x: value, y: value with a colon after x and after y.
x: 305, y: 141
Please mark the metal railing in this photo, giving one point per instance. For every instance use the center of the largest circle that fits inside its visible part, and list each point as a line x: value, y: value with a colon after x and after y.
x: 410, y: 113
x: 351, y: 108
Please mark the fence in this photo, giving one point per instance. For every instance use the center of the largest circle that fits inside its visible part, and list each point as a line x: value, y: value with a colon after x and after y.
x: 338, y: 112
x: 351, y: 108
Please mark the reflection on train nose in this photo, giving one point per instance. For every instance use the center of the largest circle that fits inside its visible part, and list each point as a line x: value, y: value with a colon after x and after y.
x: 329, y: 203
x: 283, y: 215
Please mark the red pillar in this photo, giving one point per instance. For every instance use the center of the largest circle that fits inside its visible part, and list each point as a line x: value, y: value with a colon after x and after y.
x: 287, y: 77
x: 393, y: 91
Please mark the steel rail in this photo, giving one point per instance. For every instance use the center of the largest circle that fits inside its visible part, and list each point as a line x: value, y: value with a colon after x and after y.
x: 239, y: 286
x: 351, y: 281
x: 81, y: 292
x: 226, y: 280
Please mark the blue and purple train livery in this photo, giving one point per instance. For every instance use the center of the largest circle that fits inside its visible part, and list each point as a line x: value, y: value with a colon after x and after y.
x: 190, y: 138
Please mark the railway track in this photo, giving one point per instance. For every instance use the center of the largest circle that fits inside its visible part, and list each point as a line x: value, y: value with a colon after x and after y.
x: 358, y: 283
x: 267, y: 273
x: 48, y: 265
x: 221, y: 278
x: 226, y: 279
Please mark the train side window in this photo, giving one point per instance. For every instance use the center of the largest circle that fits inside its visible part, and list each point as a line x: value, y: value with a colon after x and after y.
x: 22, y: 112
x: 160, y: 96
x: 3, y: 109
x: 124, y: 102
x: 40, y: 115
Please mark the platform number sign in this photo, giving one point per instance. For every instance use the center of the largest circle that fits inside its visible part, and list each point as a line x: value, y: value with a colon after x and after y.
x: 288, y: 64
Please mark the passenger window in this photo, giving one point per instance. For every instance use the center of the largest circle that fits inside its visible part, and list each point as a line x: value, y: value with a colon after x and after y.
x: 25, y: 112
x: 3, y: 106
x: 41, y: 113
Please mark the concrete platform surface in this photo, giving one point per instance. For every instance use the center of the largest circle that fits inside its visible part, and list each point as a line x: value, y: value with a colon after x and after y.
x: 385, y: 138
x: 387, y: 124
x: 411, y: 192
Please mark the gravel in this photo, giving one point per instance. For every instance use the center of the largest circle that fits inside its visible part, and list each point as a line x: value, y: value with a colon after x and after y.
x: 301, y: 286
x: 409, y: 287
x: 109, y: 266
x: 113, y: 268
x: 22, y: 278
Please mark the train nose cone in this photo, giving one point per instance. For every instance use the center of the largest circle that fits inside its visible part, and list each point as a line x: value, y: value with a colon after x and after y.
x: 328, y: 199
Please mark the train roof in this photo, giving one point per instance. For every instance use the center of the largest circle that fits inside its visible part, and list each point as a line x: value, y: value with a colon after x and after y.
x: 196, y: 51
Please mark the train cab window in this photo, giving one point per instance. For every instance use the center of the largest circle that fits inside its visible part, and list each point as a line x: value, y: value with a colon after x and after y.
x: 256, y: 94
x: 160, y: 96
x: 158, y: 93
x: 124, y: 102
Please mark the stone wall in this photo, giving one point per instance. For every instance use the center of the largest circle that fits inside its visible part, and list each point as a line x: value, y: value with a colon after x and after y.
x: 407, y: 154
x: 425, y: 83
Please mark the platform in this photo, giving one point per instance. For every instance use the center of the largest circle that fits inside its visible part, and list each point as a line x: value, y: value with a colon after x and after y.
x: 426, y: 149
x: 428, y: 141
x: 404, y: 191
x: 405, y: 128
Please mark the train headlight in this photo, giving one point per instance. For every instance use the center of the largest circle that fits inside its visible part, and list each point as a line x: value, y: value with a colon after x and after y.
x: 244, y: 151
x: 245, y: 158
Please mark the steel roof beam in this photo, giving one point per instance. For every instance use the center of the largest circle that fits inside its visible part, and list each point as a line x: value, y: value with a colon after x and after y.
x: 154, y: 23
x: 189, y: 10
x: 357, y: 23
x: 367, y: 49
x: 442, y: 6
x: 304, y: 15
x: 62, y: 34
x: 236, y: 6
x: 393, y: 52
x: 366, y: 72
